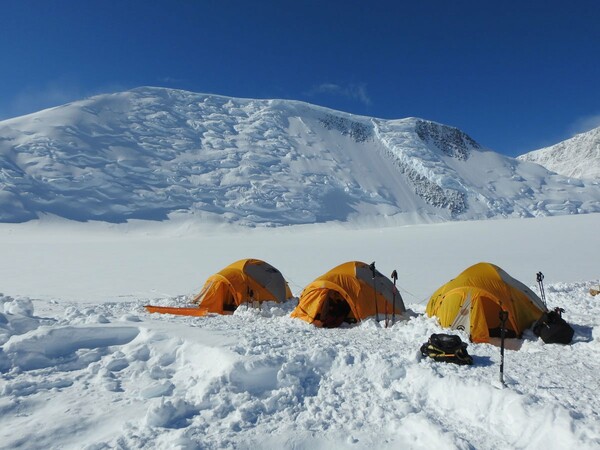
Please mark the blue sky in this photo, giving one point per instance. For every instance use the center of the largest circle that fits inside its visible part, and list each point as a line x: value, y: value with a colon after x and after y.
x: 515, y: 75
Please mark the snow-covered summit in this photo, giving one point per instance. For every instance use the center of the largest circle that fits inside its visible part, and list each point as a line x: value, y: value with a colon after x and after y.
x: 151, y: 152
x: 578, y: 157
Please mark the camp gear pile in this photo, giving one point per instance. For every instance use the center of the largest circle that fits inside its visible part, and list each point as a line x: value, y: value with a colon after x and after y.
x: 553, y: 329
x: 446, y: 348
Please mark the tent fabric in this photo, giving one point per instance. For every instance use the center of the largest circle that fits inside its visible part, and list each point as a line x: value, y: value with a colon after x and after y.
x: 244, y: 281
x: 473, y: 300
x: 353, y: 283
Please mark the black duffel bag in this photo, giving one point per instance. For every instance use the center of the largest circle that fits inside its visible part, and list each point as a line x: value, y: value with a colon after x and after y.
x: 553, y: 329
x: 447, y: 348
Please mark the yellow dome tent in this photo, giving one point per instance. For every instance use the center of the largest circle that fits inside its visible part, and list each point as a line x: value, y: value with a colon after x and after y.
x: 346, y: 293
x: 244, y: 281
x: 473, y: 300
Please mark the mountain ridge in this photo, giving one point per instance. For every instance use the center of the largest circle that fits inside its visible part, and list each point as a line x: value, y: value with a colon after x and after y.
x: 577, y: 157
x: 149, y: 153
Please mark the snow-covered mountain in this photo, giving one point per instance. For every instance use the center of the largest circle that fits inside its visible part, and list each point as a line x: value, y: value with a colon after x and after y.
x: 578, y: 157
x: 151, y: 152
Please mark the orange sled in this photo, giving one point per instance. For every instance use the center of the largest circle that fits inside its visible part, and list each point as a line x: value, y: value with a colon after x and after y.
x: 191, y: 311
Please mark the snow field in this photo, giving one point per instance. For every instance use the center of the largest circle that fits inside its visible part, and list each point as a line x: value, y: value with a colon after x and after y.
x: 110, y: 375
x: 98, y: 262
x: 83, y: 366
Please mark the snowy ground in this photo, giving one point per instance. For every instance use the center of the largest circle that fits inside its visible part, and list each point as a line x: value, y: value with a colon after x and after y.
x: 83, y: 366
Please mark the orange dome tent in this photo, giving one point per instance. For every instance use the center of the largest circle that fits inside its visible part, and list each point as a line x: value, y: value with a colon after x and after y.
x: 473, y: 300
x: 244, y: 281
x: 346, y: 294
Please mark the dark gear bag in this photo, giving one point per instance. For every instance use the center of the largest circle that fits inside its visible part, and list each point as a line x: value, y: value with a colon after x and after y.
x: 553, y: 329
x: 447, y: 348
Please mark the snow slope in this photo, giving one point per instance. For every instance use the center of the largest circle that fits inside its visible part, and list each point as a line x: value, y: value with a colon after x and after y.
x: 153, y: 153
x: 578, y: 157
x: 82, y: 366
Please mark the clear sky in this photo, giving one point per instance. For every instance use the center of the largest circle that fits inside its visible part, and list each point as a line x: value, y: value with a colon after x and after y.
x: 515, y: 75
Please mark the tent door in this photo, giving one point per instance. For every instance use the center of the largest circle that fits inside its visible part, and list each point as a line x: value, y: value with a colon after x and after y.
x: 334, y: 310
x: 229, y: 302
x: 492, y: 317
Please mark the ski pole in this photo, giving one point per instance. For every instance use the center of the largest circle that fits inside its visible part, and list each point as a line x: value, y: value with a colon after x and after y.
x: 395, y: 278
x: 540, y: 280
x: 372, y: 267
x: 503, y: 317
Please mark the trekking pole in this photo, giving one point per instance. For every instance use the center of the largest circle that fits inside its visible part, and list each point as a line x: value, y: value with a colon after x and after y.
x: 503, y: 317
x: 386, y: 314
x: 372, y: 267
x: 540, y: 280
x: 395, y: 278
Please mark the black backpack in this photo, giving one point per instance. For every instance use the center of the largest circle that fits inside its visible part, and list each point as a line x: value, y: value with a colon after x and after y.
x: 553, y: 329
x: 447, y: 348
